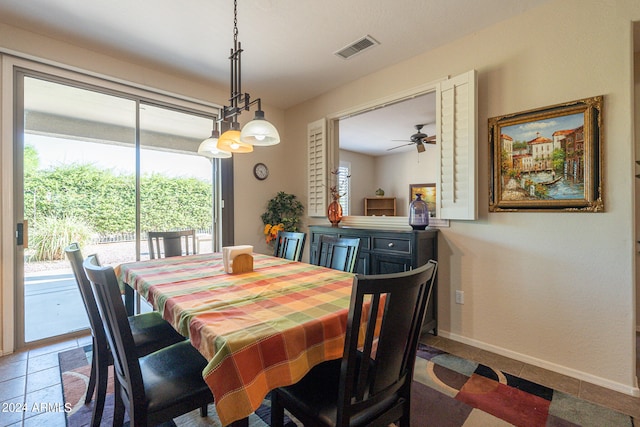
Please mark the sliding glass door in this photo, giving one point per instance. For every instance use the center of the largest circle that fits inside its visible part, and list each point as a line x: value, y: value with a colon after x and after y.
x: 176, y: 191
x: 100, y: 168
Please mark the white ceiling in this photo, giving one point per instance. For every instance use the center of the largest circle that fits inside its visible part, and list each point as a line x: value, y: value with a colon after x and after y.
x: 376, y: 132
x: 288, y: 45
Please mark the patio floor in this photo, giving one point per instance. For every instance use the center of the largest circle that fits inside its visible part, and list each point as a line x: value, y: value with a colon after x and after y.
x: 53, y: 305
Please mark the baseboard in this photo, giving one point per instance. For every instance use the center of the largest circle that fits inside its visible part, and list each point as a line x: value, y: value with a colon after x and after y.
x: 593, y: 379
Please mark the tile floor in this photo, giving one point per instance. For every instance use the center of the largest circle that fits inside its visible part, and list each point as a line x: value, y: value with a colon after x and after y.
x: 30, y: 389
x: 30, y: 380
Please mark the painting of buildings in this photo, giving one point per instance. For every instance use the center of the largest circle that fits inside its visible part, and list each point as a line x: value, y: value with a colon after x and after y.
x: 543, y: 159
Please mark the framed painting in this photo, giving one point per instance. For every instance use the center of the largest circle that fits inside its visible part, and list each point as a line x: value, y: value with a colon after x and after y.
x: 428, y: 194
x: 548, y: 159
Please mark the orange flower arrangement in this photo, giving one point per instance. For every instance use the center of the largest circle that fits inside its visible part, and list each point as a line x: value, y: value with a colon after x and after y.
x: 271, y: 231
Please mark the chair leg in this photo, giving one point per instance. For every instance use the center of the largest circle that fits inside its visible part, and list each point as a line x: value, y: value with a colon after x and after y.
x: 204, y: 410
x: 118, y: 410
x: 102, y: 377
x: 405, y: 419
x: 277, y: 410
x: 92, y: 377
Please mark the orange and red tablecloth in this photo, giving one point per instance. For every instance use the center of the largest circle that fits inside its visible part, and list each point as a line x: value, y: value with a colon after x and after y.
x: 259, y: 330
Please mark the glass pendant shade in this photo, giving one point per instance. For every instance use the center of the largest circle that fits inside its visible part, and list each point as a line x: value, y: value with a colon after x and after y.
x: 260, y: 132
x: 209, y: 148
x: 230, y: 141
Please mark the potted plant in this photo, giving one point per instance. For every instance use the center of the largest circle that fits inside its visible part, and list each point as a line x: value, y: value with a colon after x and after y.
x: 283, y: 213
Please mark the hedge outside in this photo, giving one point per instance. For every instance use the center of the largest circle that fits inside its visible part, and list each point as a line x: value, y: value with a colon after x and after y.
x: 106, y: 201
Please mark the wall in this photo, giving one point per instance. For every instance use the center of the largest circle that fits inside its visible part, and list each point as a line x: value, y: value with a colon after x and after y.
x: 391, y: 173
x: 397, y: 171
x: 363, y: 177
x: 553, y: 289
x: 636, y: 104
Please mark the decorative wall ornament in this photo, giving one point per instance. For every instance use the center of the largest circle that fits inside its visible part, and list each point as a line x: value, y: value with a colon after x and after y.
x: 548, y: 159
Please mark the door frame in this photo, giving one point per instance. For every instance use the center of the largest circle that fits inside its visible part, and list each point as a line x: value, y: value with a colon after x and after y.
x: 10, y: 67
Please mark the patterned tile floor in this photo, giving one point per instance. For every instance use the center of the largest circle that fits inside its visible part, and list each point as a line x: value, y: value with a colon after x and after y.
x: 31, y: 393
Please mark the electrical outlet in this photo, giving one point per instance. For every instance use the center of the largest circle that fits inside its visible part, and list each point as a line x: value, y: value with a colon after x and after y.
x: 459, y: 297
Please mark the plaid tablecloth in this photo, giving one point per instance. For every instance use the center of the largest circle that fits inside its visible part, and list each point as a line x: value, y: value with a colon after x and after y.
x: 258, y: 330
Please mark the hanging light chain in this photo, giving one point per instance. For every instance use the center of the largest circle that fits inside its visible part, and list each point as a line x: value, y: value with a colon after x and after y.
x: 239, y: 101
x: 235, y: 21
x: 256, y: 132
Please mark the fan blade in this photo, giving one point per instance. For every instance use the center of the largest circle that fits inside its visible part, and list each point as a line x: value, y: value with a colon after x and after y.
x: 429, y: 139
x: 403, y: 145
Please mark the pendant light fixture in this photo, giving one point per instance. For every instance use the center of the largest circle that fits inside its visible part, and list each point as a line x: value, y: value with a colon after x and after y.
x: 209, y: 147
x: 230, y: 141
x: 258, y: 131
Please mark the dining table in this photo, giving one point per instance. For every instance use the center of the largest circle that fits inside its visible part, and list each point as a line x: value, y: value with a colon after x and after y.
x: 258, y: 330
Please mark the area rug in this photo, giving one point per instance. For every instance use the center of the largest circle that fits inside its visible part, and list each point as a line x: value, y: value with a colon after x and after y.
x: 448, y: 391
x: 75, y: 369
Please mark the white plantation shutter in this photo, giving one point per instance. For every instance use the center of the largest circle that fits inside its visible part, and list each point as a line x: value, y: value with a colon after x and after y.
x: 456, y: 122
x: 317, y: 168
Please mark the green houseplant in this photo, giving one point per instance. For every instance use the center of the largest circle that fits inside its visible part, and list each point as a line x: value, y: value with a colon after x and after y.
x: 283, y: 213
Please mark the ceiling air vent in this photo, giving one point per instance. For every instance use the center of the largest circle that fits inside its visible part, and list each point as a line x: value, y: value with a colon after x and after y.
x: 357, y: 47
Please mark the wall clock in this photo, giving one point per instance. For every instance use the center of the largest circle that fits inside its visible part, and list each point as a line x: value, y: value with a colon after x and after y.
x: 260, y: 171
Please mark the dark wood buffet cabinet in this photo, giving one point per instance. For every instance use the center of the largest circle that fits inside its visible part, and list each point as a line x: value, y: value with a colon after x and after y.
x: 389, y: 251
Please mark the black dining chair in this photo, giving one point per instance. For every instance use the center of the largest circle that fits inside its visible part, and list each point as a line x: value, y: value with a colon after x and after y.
x: 289, y: 245
x: 371, y: 384
x: 337, y: 253
x: 154, y: 388
x: 149, y: 330
x: 164, y: 244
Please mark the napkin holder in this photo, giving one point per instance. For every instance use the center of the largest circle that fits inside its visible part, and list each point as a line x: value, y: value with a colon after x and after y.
x: 237, y: 259
x: 242, y: 263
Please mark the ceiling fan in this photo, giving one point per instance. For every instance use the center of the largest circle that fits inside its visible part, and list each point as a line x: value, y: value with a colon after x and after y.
x: 417, y: 138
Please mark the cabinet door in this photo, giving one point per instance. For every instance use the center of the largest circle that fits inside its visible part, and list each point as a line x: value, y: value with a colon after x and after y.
x: 385, y: 264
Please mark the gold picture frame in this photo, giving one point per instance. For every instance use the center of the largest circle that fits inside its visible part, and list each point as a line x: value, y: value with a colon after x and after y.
x: 428, y: 192
x: 548, y: 159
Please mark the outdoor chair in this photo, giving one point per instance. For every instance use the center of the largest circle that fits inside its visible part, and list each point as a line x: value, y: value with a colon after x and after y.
x: 371, y: 384
x: 337, y: 253
x: 149, y: 330
x: 154, y: 388
x: 289, y: 245
x: 163, y: 244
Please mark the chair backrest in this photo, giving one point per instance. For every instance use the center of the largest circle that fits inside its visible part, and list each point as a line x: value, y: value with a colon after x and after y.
x: 174, y: 243
x: 95, y: 321
x: 289, y: 245
x: 373, y: 372
x: 337, y: 253
x: 106, y: 290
